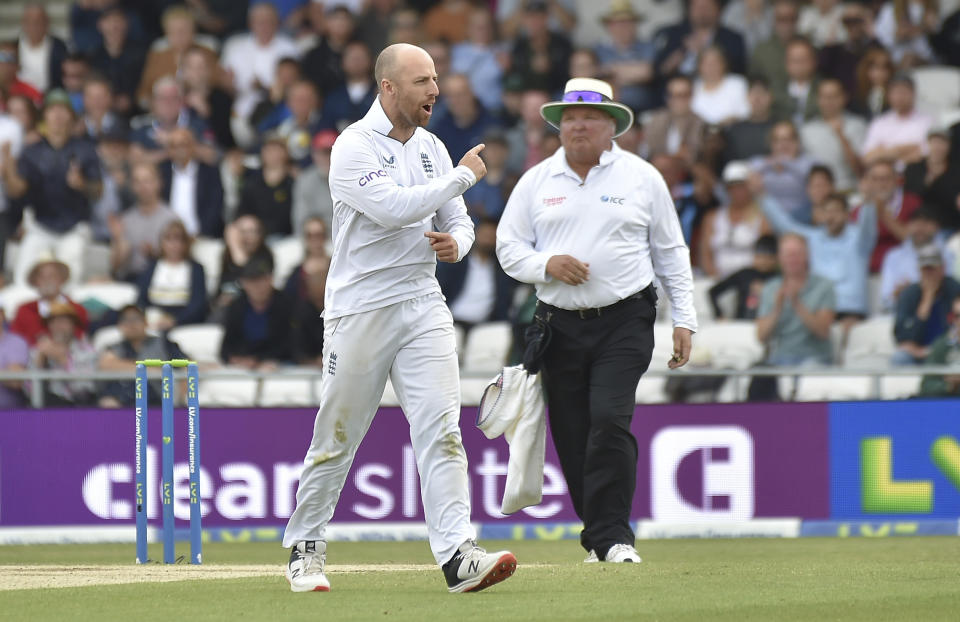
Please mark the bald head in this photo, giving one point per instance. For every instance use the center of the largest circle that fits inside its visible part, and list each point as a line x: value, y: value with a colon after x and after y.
x: 393, y: 59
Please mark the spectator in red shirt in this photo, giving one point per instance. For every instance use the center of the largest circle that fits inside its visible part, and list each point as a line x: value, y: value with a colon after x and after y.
x: 48, y: 276
x: 881, y: 187
x: 10, y: 84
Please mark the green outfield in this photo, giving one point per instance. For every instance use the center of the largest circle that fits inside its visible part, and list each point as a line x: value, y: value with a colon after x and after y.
x: 803, y: 579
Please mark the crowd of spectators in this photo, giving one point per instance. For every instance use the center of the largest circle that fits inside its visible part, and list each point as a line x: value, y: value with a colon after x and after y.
x: 155, y: 125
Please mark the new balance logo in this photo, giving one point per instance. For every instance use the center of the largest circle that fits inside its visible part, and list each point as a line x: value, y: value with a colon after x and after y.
x: 474, y: 566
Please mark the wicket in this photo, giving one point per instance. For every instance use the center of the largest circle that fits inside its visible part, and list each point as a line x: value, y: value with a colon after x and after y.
x: 193, y: 449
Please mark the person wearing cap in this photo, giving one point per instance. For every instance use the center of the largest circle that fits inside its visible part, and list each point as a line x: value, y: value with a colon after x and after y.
x: 311, y: 188
x: 945, y: 351
x: 60, y: 177
x: 63, y: 348
x: 591, y: 227
x: 48, y: 276
x: 900, y: 134
x: 397, y: 211
x: 626, y: 58
x: 936, y: 178
x: 923, y: 308
x: 729, y: 233
x: 900, y: 267
x: 256, y: 328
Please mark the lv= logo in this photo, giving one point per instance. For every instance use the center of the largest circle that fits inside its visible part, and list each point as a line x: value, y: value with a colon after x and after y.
x: 882, y: 494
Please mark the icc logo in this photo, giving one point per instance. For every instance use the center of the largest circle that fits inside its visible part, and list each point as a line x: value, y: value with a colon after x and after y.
x: 612, y: 200
x: 701, y: 473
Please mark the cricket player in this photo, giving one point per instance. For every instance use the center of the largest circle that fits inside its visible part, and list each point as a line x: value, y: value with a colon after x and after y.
x: 397, y: 210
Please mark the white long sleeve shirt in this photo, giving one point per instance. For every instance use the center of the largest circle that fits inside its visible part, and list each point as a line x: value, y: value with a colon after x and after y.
x: 386, y: 195
x: 621, y: 221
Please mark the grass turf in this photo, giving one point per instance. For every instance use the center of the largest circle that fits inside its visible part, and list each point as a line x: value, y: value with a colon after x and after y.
x: 803, y: 579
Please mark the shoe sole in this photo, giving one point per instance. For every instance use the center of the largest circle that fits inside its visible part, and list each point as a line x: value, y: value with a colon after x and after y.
x: 319, y: 588
x: 501, y: 571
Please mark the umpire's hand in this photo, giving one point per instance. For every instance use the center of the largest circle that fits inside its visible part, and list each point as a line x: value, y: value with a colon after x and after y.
x: 444, y: 246
x: 681, y: 347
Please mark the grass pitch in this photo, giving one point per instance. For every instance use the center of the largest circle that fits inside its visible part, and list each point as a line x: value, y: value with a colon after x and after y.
x: 803, y: 579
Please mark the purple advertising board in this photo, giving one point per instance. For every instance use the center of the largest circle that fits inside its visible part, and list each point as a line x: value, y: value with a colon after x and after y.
x: 697, y: 462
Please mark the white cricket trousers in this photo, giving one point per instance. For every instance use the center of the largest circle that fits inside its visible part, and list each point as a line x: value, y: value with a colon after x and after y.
x: 413, y: 343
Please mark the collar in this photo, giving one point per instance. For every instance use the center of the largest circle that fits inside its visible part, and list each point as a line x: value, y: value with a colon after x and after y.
x: 560, y: 166
x: 376, y: 119
x: 190, y: 169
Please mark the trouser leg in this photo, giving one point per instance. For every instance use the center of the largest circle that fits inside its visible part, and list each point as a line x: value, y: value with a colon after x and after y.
x: 426, y: 379
x: 566, y: 375
x: 358, y: 351
x: 610, y: 468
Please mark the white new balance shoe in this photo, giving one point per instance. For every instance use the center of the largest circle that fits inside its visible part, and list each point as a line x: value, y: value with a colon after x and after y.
x: 619, y: 553
x: 591, y: 558
x: 473, y: 569
x: 305, y: 568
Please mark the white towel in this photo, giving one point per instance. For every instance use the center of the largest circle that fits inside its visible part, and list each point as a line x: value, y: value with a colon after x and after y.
x: 512, y: 405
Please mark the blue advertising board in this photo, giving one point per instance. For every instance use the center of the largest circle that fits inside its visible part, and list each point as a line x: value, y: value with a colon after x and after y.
x: 895, y: 460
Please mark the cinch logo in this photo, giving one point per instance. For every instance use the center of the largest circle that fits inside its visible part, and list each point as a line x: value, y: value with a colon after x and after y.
x: 880, y: 493
x: 614, y: 200
x: 366, y: 178
x: 551, y: 201
x: 702, y: 473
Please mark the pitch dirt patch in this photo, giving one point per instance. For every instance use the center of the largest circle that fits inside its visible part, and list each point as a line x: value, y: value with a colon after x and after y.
x: 44, y: 577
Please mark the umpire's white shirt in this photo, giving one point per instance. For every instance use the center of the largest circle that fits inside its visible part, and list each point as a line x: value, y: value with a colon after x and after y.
x: 621, y: 220
x: 386, y: 194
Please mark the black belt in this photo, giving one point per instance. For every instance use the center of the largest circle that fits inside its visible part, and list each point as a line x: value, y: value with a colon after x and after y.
x: 648, y: 293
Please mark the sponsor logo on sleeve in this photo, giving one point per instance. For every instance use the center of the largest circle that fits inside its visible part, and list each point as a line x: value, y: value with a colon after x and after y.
x: 365, y: 179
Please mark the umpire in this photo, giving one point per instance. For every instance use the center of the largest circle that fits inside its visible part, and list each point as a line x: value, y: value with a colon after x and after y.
x: 590, y: 227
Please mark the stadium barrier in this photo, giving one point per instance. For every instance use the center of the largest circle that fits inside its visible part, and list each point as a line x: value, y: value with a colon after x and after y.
x: 865, y: 469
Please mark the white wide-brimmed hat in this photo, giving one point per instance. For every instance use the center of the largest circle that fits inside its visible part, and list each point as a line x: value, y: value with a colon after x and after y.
x: 588, y: 92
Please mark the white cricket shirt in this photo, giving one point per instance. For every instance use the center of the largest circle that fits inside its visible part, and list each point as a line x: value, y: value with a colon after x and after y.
x: 621, y: 221
x: 386, y: 195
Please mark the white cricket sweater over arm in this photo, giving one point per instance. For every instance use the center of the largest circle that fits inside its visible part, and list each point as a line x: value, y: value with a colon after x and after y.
x: 621, y: 221
x: 386, y: 195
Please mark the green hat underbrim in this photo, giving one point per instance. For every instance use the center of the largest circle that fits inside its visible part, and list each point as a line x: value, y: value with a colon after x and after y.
x: 623, y: 116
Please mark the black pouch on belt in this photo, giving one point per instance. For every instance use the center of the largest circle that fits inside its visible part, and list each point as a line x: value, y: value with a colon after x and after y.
x: 536, y: 339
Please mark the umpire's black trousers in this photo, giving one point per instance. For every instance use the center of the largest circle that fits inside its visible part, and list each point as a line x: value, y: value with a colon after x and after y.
x: 590, y: 372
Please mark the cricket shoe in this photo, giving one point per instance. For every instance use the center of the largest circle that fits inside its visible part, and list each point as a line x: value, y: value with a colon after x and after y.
x: 592, y: 557
x: 473, y: 569
x: 305, y: 568
x: 619, y: 553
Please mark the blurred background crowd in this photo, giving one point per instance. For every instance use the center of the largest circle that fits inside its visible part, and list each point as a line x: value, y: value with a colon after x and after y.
x: 163, y: 165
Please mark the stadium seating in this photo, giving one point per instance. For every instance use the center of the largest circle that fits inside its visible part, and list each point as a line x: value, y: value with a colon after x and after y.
x: 287, y: 255
x: 938, y: 89
x: 284, y: 392
x: 731, y: 344
x: 114, y: 294
x: 209, y: 254
x: 488, y: 346
x: 870, y: 343
x: 833, y: 388
x: 230, y: 392
x: 200, y: 342
x: 12, y: 296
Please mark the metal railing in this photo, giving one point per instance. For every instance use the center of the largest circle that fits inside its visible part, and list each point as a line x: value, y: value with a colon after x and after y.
x: 37, y: 378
